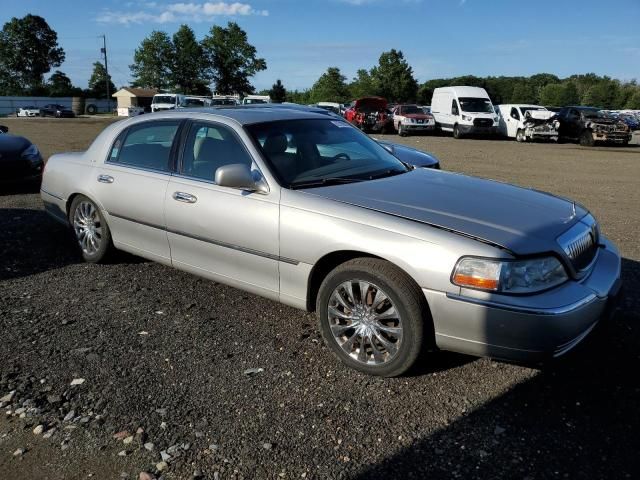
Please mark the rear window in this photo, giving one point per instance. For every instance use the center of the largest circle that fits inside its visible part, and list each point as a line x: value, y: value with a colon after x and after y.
x: 145, y: 146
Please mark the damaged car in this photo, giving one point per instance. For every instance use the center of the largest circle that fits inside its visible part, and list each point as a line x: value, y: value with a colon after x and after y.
x: 588, y: 125
x: 370, y: 114
x: 528, y: 122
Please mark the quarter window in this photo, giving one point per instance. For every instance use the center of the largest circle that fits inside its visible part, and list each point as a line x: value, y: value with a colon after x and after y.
x: 147, y: 145
x: 209, y: 147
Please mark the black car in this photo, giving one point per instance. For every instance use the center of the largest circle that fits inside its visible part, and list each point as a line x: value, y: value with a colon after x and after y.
x: 20, y: 160
x: 589, y: 125
x: 55, y: 110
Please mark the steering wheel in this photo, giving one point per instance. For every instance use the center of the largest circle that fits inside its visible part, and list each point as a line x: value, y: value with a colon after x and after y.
x: 341, y: 155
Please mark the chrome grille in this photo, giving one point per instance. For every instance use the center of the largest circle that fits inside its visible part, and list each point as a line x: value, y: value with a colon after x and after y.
x: 580, y: 243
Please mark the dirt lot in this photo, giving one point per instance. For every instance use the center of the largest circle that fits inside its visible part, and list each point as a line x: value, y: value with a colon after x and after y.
x: 166, y: 352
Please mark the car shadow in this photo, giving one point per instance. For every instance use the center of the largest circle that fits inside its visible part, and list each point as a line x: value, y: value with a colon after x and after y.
x: 576, y: 418
x: 19, y: 188
x: 32, y: 242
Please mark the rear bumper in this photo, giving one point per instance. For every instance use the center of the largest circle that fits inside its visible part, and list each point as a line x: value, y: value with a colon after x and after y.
x: 528, y: 329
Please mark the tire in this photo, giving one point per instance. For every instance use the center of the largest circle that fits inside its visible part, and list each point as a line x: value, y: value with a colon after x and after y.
x: 456, y: 132
x: 91, y: 109
x: 401, y: 131
x: 520, y: 137
x: 402, y: 303
x: 85, y: 216
x: 586, y: 139
x: 57, y: 115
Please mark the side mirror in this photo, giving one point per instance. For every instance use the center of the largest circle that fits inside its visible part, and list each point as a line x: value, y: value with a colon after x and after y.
x: 4, y: 129
x: 237, y: 175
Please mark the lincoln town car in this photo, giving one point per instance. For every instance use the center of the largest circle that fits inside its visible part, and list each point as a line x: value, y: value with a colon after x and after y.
x: 305, y: 209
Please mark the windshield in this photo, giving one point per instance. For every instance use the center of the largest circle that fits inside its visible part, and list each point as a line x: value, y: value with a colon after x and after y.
x: 164, y: 99
x: 316, y: 152
x: 594, y: 113
x: 532, y: 109
x: 223, y: 101
x: 254, y: 100
x: 476, y: 105
x: 193, y: 102
x: 411, y: 109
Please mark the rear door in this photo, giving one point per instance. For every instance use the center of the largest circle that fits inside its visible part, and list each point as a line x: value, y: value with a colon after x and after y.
x: 131, y: 187
x: 222, y: 233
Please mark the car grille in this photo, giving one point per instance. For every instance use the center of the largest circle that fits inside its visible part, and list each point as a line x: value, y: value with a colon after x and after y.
x: 580, y: 243
x: 482, y: 122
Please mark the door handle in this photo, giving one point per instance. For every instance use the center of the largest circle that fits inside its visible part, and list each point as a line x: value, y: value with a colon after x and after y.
x: 105, y: 178
x: 184, y: 197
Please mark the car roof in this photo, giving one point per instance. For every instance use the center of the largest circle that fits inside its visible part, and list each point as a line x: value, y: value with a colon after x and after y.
x: 250, y: 114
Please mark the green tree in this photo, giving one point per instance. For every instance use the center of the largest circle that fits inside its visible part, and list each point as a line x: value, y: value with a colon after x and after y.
x: 60, y: 85
x: 523, y: 92
x: 362, y: 85
x: 278, y: 93
x: 98, y: 82
x: 231, y: 59
x: 559, y: 94
x: 602, y: 94
x: 634, y: 101
x: 28, y: 50
x: 330, y: 87
x: 152, y: 62
x: 302, y: 97
x: 393, y: 77
x: 187, y: 72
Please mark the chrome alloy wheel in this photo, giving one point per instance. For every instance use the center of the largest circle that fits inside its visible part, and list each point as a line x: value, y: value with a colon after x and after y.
x: 87, y: 227
x: 364, y: 322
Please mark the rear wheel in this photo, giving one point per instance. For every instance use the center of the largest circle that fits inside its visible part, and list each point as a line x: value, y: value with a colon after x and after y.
x: 371, y: 315
x: 90, y: 229
x: 586, y: 139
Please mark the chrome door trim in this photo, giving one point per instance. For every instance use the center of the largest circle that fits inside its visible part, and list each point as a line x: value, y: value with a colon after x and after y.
x: 184, y: 197
x: 231, y: 246
x: 105, y: 178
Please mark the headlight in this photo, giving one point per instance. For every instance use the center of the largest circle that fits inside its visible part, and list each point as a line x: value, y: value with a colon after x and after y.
x: 31, y: 153
x: 509, y: 276
x: 465, y: 117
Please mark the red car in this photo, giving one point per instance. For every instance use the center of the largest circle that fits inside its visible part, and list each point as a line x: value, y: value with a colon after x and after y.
x: 408, y: 119
x: 370, y: 114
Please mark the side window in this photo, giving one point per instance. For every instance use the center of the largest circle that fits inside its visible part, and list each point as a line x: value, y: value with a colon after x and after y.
x: 514, y: 113
x: 209, y: 147
x: 147, y: 145
x: 454, y: 107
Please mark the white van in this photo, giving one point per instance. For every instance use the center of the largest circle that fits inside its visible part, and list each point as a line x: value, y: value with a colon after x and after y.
x: 527, y: 122
x: 464, y: 111
x: 167, y: 101
x: 253, y: 99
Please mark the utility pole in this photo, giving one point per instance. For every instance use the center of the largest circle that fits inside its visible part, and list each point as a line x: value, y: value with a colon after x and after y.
x: 103, y: 50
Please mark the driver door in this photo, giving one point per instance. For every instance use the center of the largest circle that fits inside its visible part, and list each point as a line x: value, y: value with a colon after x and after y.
x: 222, y: 233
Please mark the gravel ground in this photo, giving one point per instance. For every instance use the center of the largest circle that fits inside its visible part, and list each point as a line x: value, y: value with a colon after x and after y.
x: 165, y: 359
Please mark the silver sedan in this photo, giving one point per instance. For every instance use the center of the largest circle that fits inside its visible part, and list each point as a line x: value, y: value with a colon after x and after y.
x: 302, y: 208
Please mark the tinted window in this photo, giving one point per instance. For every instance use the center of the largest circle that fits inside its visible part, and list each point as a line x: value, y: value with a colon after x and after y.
x: 514, y: 113
x: 454, y: 108
x: 209, y: 147
x: 146, y: 146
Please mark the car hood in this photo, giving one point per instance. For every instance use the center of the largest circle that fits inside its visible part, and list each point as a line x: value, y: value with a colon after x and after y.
x: 373, y: 103
x: 12, y: 146
x: 423, y: 116
x: 521, y: 220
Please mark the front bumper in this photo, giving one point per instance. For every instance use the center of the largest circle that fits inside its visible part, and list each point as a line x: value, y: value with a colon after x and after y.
x: 474, y: 130
x: 531, y: 328
x: 419, y: 127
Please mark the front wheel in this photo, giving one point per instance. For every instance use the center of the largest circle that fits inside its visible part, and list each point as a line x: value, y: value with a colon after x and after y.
x: 456, y: 132
x: 520, y: 136
x: 371, y: 315
x: 90, y: 229
x: 586, y: 139
x: 401, y: 131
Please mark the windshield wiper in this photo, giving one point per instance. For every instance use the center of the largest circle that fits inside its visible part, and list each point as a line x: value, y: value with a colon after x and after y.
x: 386, y: 173
x: 323, y: 182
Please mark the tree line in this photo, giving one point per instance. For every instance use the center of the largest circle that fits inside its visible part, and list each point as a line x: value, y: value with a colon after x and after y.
x: 226, y: 60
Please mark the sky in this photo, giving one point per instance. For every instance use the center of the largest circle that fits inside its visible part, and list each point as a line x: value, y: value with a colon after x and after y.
x: 300, y: 39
